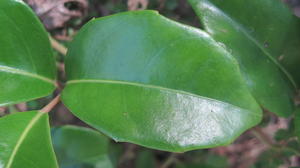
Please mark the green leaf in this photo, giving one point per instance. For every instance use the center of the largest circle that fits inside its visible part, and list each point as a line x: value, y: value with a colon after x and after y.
x: 116, y: 151
x: 80, y: 147
x: 294, y: 144
x: 27, y: 66
x: 156, y: 83
x: 25, y: 141
x: 194, y: 165
x: 204, y: 160
x: 269, y: 159
x: 282, y: 134
x: 145, y: 159
x: 182, y: 165
x: 214, y: 161
x: 256, y: 35
x: 297, y: 122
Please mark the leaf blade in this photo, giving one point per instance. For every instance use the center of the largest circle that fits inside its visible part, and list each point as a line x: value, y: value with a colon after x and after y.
x: 151, y: 70
x: 20, y: 141
x: 77, y: 146
x: 25, y: 50
x: 245, y: 42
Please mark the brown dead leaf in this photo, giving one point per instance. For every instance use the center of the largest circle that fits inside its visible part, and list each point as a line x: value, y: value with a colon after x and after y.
x: 21, y: 106
x: 137, y: 4
x: 55, y: 13
x: 2, y: 111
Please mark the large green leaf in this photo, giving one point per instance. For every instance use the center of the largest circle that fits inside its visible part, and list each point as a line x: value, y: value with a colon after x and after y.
x: 25, y: 141
x: 140, y: 77
x: 27, y: 66
x: 78, y: 147
x: 255, y: 34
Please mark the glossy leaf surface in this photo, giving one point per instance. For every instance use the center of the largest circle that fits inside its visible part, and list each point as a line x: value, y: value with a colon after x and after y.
x: 27, y: 66
x: 257, y: 40
x: 156, y: 83
x: 77, y: 147
x: 25, y: 141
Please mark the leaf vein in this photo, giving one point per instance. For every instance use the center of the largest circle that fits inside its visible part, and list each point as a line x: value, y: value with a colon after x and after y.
x: 22, y: 72
x: 156, y: 87
x: 22, y: 138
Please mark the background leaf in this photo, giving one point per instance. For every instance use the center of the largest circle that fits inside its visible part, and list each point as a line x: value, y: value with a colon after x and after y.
x: 27, y: 66
x: 80, y: 147
x: 258, y: 41
x: 156, y: 83
x: 207, y: 160
x: 297, y: 122
x: 25, y: 141
x: 145, y: 159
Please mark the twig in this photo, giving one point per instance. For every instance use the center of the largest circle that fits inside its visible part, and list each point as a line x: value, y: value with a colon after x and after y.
x: 129, y: 154
x: 51, y: 105
x: 264, y: 138
x: 169, y: 161
x: 57, y: 46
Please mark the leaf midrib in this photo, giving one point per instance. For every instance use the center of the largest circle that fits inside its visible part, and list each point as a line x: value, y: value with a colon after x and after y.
x: 25, y: 73
x: 156, y: 87
x: 22, y: 138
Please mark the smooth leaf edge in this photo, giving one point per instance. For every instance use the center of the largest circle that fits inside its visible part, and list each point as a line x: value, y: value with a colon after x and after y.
x: 257, y: 117
x: 23, y: 136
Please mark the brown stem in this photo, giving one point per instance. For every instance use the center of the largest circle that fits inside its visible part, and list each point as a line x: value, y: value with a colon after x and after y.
x: 57, y: 46
x: 51, y: 105
x: 171, y: 159
x: 257, y: 132
x: 264, y: 138
x: 128, y: 154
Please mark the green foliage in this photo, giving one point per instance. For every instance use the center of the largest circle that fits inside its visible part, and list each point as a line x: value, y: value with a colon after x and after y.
x: 80, y: 147
x: 282, y: 134
x: 205, y: 160
x: 27, y: 66
x: 25, y: 141
x: 257, y: 40
x: 156, y: 83
x: 142, y: 78
x: 297, y: 122
x: 269, y: 159
x: 145, y: 159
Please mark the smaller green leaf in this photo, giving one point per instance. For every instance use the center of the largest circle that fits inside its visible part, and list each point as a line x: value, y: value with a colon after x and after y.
x: 80, y: 147
x: 25, y: 141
